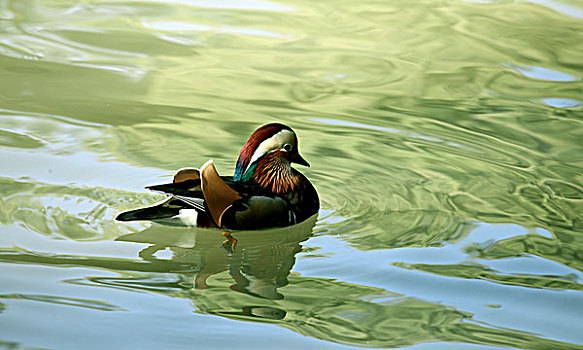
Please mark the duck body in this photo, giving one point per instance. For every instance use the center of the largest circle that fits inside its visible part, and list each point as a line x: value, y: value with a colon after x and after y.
x: 264, y: 192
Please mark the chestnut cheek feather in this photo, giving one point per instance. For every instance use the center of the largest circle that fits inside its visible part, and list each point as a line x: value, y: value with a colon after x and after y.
x: 274, y: 172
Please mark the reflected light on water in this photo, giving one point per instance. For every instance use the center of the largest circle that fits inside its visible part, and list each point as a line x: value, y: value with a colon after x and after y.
x: 562, y: 6
x: 187, y: 26
x: 562, y: 102
x: 256, y: 5
x: 544, y: 73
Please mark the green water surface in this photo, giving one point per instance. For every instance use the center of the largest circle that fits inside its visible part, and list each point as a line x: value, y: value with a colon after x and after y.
x: 446, y: 143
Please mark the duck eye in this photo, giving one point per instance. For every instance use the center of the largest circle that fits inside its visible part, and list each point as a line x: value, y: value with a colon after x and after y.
x: 287, y: 147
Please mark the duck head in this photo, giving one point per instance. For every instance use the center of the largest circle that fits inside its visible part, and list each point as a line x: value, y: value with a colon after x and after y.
x: 268, y: 155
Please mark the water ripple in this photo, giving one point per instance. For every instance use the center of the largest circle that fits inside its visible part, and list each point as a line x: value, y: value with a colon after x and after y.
x: 562, y: 102
x: 562, y: 7
x: 256, y: 5
x: 67, y: 301
x: 188, y: 26
x: 544, y: 73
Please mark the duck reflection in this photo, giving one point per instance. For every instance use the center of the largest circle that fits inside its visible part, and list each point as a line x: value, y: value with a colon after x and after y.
x: 258, y: 266
x: 262, y: 312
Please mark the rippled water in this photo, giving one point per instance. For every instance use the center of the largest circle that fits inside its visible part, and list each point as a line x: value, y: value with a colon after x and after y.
x: 445, y: 140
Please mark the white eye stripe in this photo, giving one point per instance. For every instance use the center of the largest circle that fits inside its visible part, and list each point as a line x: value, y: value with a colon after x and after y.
x: 271, y: 144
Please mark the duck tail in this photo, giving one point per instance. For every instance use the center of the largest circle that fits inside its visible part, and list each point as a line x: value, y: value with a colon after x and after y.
x: 159, y: 211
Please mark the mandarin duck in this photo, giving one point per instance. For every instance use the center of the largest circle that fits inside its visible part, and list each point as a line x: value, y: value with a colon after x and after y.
x: 265, y: 190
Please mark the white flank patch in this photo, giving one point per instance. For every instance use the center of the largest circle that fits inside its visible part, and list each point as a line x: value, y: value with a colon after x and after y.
x: 188, y: 216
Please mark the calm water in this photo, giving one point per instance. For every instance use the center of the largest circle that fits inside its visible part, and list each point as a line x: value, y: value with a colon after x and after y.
x: 445, y: 139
